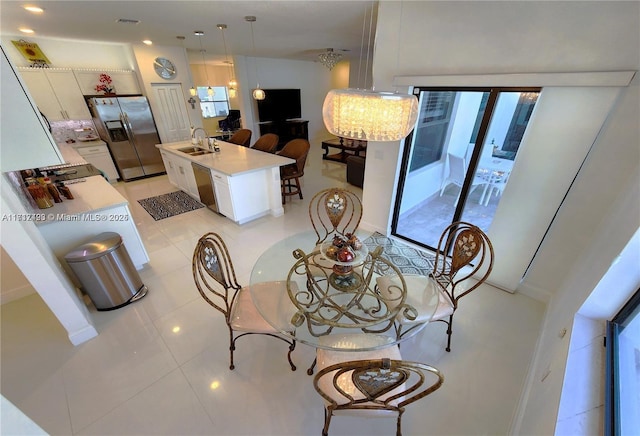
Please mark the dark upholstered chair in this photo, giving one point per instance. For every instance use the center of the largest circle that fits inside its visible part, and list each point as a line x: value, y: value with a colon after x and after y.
x: 241, y: 137
x: 355, y: 170
x: 267, y: 142
x: 297, y: 149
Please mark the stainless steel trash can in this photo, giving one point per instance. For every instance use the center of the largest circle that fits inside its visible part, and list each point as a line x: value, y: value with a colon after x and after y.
x: 106, y: 272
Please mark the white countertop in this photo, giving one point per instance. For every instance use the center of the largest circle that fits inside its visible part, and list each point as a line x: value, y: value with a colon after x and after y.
x: 70, y: 155
x: 231, y: 160
x: 92, y: 196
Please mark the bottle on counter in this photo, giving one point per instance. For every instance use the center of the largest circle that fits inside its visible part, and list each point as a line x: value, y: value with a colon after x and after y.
x: 64, y: 190
x: 39, y: 194
x: 55, y: 194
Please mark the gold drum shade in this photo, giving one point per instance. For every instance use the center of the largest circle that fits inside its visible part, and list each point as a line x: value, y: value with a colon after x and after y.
x: 369, y: 115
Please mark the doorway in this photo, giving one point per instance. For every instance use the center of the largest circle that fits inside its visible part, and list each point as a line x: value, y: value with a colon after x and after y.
x: 173, y: 118
x: 458, y: 159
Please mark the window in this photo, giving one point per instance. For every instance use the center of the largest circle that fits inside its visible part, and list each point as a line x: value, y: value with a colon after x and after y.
x: 216, y: 105
x: 623, y: 370
x: 455, y: 165
x: 431, y: 128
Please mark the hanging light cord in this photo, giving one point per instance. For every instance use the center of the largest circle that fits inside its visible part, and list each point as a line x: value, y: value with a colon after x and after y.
x: 226, y: 53
x: 364, y: 27
x: 203, y: 62
x: 255, y: 60
x: 369, y: 47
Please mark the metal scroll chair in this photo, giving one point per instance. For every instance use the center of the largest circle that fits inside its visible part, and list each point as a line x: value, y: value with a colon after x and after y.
x: 267, y: 143
x: 216, y: 281
x: 241, y: 137
x: 463, y: 262
x: 297, y: 149
x: 374, y: 388
x: 334, y: 211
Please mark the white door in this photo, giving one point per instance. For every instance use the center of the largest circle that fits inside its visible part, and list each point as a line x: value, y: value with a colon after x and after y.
x: 173, y: 119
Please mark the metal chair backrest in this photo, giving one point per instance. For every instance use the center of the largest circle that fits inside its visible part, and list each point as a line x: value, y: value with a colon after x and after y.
x: 214, y: 274
x: 375, y: 386
x: 464, y: 251
x: 335, y: 211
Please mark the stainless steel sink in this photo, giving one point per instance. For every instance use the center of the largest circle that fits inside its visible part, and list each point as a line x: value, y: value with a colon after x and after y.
x: 189, y: 149
x: 194, y: 151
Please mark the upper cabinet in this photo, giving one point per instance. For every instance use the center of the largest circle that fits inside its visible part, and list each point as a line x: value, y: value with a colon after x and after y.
x: 123, y: 82
x: 26, y: 143
x: 56, y: 93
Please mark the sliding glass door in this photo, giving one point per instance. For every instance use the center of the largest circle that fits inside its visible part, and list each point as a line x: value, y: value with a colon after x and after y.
x: 458, y: 159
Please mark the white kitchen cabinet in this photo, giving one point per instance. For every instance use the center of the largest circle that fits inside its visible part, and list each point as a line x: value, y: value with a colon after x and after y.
x: 26, y: 142
x: 224, y: 199
x: 56, y: 93
x: 170, y: 168
x: 180, y: 173
x: 98, y: 155
x: 237, y: 197
x: 124, y: 82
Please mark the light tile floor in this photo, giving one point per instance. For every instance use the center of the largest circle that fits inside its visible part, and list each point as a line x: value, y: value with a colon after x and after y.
x: 160, y: 365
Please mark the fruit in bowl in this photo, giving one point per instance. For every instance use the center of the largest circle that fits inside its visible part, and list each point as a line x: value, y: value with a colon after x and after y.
x: 331, y: 252
x: 353, y: 241
x: 345, y: 254
x: 338, y: 241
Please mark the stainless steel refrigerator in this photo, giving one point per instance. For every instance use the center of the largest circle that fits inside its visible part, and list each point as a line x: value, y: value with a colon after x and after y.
x: 127, y: 126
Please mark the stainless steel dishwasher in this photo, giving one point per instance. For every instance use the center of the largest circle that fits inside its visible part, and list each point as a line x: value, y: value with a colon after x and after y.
x: 205, y: 186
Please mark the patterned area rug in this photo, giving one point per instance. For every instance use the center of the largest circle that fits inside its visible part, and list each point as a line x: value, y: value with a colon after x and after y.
x: 168, y: 205
x: 407, y: 259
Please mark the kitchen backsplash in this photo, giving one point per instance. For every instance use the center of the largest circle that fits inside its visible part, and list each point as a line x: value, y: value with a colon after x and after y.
x: 63, y: 131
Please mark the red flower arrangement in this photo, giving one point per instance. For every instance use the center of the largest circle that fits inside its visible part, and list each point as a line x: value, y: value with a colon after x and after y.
x: 105, y: 85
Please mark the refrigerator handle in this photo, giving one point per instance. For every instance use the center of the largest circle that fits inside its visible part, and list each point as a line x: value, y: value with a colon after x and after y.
x: 127, y: 125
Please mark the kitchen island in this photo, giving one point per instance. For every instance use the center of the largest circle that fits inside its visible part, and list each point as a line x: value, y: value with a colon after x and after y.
x: 246, y: 182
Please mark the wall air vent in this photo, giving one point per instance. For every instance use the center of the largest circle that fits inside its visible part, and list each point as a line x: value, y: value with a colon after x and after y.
x: 127, y: 21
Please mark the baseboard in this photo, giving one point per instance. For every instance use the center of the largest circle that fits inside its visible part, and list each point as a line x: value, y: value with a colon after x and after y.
x: 534, y: 292
x: 16, y: 294
x: 83, y: 335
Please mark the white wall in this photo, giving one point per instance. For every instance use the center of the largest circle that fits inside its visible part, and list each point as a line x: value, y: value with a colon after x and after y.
x: 13, y: 284
x: 600, y: 213
x: 313, y: 80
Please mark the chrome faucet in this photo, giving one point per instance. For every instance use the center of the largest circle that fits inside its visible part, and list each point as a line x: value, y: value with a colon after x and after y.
x: 200, y: 141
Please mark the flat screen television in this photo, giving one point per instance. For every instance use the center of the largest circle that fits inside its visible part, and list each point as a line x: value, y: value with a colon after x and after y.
x: 279, y: 105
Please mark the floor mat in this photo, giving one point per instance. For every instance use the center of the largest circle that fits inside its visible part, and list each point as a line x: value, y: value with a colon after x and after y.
x: 168, y: 205
x: 407, y: 259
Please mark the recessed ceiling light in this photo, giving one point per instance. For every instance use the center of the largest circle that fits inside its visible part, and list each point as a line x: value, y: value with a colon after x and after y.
x: 147, y: 41
x: 34, y: 9
x: 25, y: 30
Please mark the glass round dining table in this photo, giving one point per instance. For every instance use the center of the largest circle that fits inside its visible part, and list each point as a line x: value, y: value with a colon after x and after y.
x: 355, y: 304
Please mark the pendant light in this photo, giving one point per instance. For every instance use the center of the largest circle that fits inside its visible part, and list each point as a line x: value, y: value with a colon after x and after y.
x: 232, y: 82
x: 329, y: 58
x: 258, y: 93
x: 366, y: 114
x: 199, y: 34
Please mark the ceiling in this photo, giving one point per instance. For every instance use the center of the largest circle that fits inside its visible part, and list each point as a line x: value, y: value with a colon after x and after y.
x: 298, y: 30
